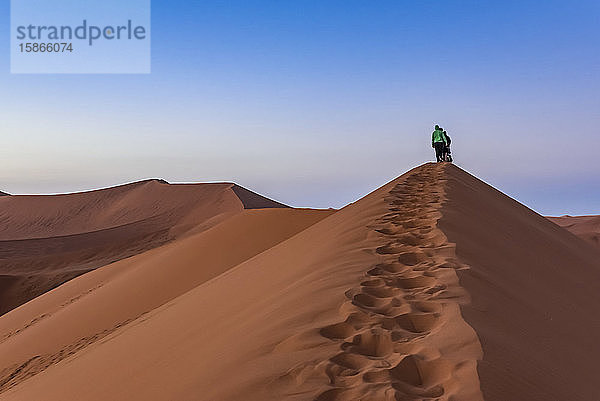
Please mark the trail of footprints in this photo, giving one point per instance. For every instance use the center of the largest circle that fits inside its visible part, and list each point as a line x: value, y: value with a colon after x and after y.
x: 398, y: 305
x: 16, y: 374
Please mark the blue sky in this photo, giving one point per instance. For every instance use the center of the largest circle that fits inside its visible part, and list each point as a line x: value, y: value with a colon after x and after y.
x: 316, y: 103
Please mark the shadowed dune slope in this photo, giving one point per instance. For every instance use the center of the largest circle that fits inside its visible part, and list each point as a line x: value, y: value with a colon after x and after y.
x: 86, y: 309
x: 252, y: 200
x: 364, y: 304
x: 48, y: 239
x: 535, y: 291
x: 586, y: 227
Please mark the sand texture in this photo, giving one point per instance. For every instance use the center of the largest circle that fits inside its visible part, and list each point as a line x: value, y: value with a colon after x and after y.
x: 48, y: 240
x: 586, y: 227
x: 435, y: 286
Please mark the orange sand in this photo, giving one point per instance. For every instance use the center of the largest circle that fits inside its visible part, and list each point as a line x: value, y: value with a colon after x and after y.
x: 586, y: 227
x: 47, y: 240
x: 433, y: 287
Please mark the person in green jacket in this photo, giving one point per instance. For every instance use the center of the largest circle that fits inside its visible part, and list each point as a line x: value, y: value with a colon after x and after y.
x: 438, y: 142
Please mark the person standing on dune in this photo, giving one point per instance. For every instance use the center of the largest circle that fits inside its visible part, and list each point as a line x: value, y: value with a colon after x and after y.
x: 438, y: 142
x: 447, y: 156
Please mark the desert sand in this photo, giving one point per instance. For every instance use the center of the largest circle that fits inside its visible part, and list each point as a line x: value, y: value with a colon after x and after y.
x: 586, y: 227
x: 435, y: 286
x: 47, y: 240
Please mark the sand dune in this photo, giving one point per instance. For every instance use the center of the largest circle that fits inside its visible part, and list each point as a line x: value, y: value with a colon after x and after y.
x: 433, y: 287
x: 535, y: 291
x: 370, y: 289
x: 586, y: 227
x: 54, y: 325
x: 47, y: 240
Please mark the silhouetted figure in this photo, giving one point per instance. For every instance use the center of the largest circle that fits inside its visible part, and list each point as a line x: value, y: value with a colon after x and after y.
x: 438, y: 143
x: 447, y: 154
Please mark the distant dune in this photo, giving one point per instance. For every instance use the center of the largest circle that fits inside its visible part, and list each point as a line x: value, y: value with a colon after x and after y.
x: 586, y: 227
x: 433, y: 287
x: 47, y: 240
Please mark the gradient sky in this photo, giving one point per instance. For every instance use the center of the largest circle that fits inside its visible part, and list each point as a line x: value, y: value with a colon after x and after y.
x: 316, y: 103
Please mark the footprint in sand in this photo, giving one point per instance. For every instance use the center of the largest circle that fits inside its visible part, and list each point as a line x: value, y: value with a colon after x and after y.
x: 398, y: 304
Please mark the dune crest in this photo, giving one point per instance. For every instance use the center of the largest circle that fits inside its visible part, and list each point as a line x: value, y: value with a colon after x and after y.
x: 46, y: 240
x: 45, y: 216
x: 97, y: 304
x: 383, y: 318
x: 403, y: 336
x: 435, y: 286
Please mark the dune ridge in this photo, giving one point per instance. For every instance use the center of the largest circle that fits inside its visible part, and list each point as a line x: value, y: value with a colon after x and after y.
x: 403, y: 336
x: 100, y: 302
x: 259, y: 336
x: 44, y: 216
x: 46, y: 240
x: 435, y: 286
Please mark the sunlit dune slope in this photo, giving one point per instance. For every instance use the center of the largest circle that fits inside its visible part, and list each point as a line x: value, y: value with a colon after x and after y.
x: 84, y: 310
x: 371, y: 289
x: 435, y: 286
